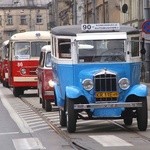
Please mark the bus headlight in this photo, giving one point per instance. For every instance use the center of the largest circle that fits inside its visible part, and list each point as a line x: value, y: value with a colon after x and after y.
x: 23, y: 71
x: 124, y: 83
x: 87, y: 84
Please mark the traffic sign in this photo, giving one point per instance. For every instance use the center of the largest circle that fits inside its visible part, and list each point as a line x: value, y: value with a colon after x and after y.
x: 146, y: 27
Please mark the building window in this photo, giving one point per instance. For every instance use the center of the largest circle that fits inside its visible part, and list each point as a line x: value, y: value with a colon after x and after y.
x: 10, y: 33
x: 23, y: 20
x: 39, y: 19
x: 9, y: 20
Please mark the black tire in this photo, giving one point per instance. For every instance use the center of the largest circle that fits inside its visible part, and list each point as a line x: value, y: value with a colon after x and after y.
x: 128, y: 119
x: 48, y: 106
x: 7, y: 85
x: 142, y: 115
x: 21, y: 91
x: 4, y: 84
x: 40, y: 100
x: 16, y: 92
x: 71, y: 116
x: 43, y: 103
x: 62, y: 118
x: 55, y: 100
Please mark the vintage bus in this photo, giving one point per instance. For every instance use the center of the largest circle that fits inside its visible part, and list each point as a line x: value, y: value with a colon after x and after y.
x: 45, y: 76
x: 23, y: 58
x: 4, y: 57
x: 97, y: 69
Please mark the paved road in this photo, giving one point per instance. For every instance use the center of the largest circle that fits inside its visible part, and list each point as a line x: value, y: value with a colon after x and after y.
x: 15, y: 134
x: 36, y: 136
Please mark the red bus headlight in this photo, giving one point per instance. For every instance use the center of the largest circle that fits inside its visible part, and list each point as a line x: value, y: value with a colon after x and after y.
x: 23, y: 71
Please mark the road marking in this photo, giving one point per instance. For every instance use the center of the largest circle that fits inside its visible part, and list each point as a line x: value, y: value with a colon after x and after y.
x: 19, y: 121
x: 27, y: 144
x: 110, y: 140
x: 8, y: 133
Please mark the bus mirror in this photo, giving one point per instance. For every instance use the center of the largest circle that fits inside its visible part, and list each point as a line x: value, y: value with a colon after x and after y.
x: 7, y: 46
x: 6, y: 55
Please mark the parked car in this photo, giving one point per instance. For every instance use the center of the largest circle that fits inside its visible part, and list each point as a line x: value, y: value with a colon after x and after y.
x: 44, y: 72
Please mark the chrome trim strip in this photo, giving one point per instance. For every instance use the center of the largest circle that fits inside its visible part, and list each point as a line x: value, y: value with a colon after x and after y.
x: 108, y: 105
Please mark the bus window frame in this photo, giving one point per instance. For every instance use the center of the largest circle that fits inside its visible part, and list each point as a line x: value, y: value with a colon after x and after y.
x: 64, y: 43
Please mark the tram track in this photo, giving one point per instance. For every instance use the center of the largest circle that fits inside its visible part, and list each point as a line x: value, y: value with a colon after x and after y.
x: 51, y: 118
x: 128, y: 129
x: 67, y: 137
x: 61, y: 133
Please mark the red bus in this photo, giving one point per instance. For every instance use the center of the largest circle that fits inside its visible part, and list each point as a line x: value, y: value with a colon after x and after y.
x: 23, y: 58
x: 45, y: 76
x: 4, y: 64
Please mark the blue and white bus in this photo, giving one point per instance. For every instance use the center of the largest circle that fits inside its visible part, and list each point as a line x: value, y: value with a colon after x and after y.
x: 97, y: 70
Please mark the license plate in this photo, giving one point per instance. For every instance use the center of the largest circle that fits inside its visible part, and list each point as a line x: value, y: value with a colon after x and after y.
x: 106, y: 94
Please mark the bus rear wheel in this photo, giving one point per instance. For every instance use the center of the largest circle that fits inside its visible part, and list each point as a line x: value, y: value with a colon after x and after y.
x: 128, y: 118
x: 62, y: 117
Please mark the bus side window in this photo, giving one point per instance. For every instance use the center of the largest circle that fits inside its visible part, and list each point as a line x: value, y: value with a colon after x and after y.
x: 64, y: 48
x: 134, y: 46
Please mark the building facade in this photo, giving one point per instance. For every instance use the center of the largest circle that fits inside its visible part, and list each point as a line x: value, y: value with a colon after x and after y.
x: 22, y: 15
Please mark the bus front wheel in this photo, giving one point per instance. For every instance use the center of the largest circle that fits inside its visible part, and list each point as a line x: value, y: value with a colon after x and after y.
x: 48, y: 106
x: 71, y: 116
x: 142, y: 116
x: 17, y: 91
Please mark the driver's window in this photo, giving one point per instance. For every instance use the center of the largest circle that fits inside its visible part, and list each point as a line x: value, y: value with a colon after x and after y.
x: 64, y: 48
x: 22, y: 48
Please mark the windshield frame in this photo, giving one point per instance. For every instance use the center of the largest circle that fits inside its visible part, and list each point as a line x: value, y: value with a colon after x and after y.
x: 94, y: 51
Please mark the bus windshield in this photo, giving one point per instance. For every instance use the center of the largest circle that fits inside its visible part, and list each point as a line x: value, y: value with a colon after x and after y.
x: 101, y: 50
x: 36, y: 48
x: 24, y: 50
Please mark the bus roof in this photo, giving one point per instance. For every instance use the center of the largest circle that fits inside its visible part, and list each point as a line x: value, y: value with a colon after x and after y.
x: 31, y: 35
x: 73, y: 30
x: 46, y: 48
x: 5, y: 42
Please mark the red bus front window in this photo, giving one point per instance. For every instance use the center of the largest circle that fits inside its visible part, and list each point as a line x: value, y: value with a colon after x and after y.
x: 22, y: 48
x: 36, y: 48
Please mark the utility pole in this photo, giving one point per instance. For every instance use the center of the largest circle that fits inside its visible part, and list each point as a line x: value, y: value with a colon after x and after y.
x: 74, y: 12
x: 104, y: 11
x: 94, y: 11
x: 146, y: 10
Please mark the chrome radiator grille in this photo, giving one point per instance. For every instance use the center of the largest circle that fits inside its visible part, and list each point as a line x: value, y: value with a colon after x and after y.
x: 106, y: 87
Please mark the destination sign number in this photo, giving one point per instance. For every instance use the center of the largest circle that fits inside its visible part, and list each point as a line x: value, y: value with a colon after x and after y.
x: 101, y: 27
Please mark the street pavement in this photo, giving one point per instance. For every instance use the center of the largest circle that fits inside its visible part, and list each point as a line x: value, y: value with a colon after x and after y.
x: 12, y: 138
x: 16, y: 135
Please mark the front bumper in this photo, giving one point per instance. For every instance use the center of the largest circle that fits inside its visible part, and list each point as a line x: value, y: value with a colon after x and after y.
x: 108, y: 105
